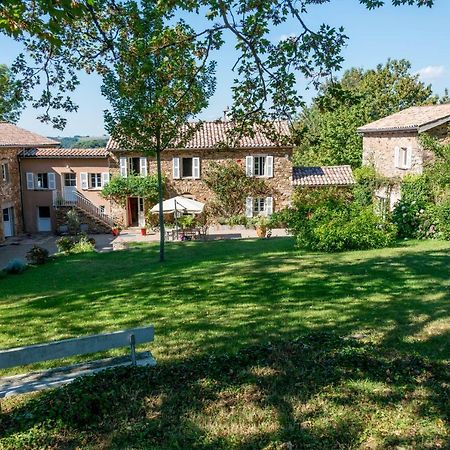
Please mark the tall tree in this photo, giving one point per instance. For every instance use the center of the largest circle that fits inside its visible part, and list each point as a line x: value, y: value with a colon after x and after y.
x: 327, y: 130
x: 82, y: 34
x: 11, y: 100
x: 160, y: 78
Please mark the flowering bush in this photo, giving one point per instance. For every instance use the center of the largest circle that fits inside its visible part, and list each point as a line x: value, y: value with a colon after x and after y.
x: 415, y: 219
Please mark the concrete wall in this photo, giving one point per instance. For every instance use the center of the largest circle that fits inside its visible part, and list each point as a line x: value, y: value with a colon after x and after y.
x: 10, y: 191
x: 32, y: 199
x: 280, y: 184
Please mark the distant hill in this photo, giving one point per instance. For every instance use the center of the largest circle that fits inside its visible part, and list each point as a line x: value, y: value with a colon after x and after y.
x: 81, y: 141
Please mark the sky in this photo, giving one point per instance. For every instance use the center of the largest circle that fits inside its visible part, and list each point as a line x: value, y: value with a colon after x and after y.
x: 420, y: 35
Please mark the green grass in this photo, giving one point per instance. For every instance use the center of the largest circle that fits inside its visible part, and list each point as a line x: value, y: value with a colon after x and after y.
x: 259, y: 346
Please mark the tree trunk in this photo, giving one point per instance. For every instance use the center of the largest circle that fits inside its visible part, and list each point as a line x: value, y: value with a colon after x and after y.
x: 160, y: 202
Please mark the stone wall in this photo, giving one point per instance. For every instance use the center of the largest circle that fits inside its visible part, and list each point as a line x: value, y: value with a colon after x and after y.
x: 10, y: 191
x: 94, y: 225
x: 280, y: 184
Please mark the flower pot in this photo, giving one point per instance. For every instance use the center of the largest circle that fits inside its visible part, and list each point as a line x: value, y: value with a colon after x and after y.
x: 261, y: 231
x: 115, y: 232
x: 143, y: 231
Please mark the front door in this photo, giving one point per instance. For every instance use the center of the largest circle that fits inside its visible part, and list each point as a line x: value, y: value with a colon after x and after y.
x: 8, y: 222
x: 141, y: 213
x: 136, y: 215
x: 70, y: 186
x: 44, y: 220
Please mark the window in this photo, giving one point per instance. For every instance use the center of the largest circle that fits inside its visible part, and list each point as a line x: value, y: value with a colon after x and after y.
x: 44, y: 212
x: 259, y: 206
x: 42, y: 181
x: 5, y: 172
x: 259, y: 166
x: 134, y: 167
x: 403, y: 157
x: 187, y: 167
x: 70, y: 179
x: 95, y: 180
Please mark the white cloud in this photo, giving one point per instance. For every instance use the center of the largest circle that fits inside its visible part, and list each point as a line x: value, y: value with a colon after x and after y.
x: 431, y: 72
x: 285, y: 37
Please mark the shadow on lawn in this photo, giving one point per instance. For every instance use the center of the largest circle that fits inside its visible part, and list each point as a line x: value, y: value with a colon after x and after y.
x: 309, y: 393
x: 223, y: 296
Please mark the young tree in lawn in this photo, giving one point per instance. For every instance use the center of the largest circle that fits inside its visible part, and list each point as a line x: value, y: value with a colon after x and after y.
x: 155, y: 86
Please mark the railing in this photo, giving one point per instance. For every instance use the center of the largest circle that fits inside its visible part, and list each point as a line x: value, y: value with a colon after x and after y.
x: 76, y: 199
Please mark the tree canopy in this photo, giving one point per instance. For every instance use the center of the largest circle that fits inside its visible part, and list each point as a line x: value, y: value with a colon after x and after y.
x: 327, y: 129
x: 84, y: 34
x: 11, y: 100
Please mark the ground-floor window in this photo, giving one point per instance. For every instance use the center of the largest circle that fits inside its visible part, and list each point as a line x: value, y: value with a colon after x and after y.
x: 259, y: 206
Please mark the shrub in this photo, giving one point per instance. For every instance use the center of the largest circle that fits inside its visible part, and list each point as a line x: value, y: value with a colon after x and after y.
x: 65, y: 244
x: 84, y: 245
x: 37, y: 255
x: 73, y: 221
x: 442, y: 218
x: 416, y: 188
x: 186, y: 221
x: 15, y: 266
x: 328, y: 220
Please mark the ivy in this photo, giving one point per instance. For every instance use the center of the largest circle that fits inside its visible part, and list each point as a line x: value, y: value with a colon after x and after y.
x: 120, y: 188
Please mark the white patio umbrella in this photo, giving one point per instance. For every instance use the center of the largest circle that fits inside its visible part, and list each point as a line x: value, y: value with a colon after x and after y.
x: 179, y: 205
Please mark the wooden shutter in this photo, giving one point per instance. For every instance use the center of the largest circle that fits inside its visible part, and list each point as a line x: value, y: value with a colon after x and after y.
x: 249, y: 166
x: 408, y: 158
x: 123, y: 166
x: 51, y: 181
x: 105, y: 178
x: 397, y: 158
x: 143, y: 166
x: 249, y: 207
x: 196, y: 168
x: 84, y: 180
x: 30, y: 181
x: 269, y: 167
x: 176, y: 168
x: 269, y: 206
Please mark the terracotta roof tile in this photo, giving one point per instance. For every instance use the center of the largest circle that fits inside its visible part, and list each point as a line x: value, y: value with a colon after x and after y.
x: 322, y: 176
x: 410, y: 119
x: 213, y: 135
x: 64, y: 153
x: 13, y: 136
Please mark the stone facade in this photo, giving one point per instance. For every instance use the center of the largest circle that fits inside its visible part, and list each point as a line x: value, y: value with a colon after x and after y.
x: 89, y: 223
x: 10, y: 199
x: 280, y: 184
x: 379, y: 151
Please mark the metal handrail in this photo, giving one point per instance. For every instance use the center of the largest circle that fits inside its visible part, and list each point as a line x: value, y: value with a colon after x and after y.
x: 83, y: 203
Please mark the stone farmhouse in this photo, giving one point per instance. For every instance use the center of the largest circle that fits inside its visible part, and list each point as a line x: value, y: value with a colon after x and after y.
x: 41, y: 181
x: 392, y: 144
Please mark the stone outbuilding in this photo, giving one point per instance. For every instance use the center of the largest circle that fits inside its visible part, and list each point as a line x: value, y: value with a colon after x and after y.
x: 392, y: 144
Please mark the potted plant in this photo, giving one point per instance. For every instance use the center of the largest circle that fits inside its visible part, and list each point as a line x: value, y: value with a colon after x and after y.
x: 143, y: 231
x: 115, y: 231
x: 261, y: 224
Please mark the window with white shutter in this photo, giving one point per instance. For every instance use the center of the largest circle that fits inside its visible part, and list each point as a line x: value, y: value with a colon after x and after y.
x: 123, y: 166
x: 105, y: 178
x: 269, y: 206
x: 269, y: 167
x: 196, y: 168
x: 249, y: 166
x: 143, y: 166
x: 176, y: 168
x: 30, y: 181
x: 51, y: 181
x: 403, y: 157
x: 84, y: 180
x: 249, y: 207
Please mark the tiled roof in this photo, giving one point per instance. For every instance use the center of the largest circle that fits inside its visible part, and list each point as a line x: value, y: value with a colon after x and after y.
x: 13, y: 136
x: 213, y: 135
x: 416, y: 118
x: 64, y: 153
x: 322, y: 176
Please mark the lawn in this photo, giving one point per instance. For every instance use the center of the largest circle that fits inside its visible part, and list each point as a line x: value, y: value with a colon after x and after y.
x: 259, y: 346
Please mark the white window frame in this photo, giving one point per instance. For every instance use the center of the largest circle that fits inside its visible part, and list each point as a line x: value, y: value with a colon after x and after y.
x: 5, y: 172
x: 253, y: 165
x: 259, y: 206
x: 98, y: 180
x: 259, y: 159
x: 403, y: 157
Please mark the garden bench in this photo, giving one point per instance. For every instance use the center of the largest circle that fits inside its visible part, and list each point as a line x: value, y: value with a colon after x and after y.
x: 36, y: 381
